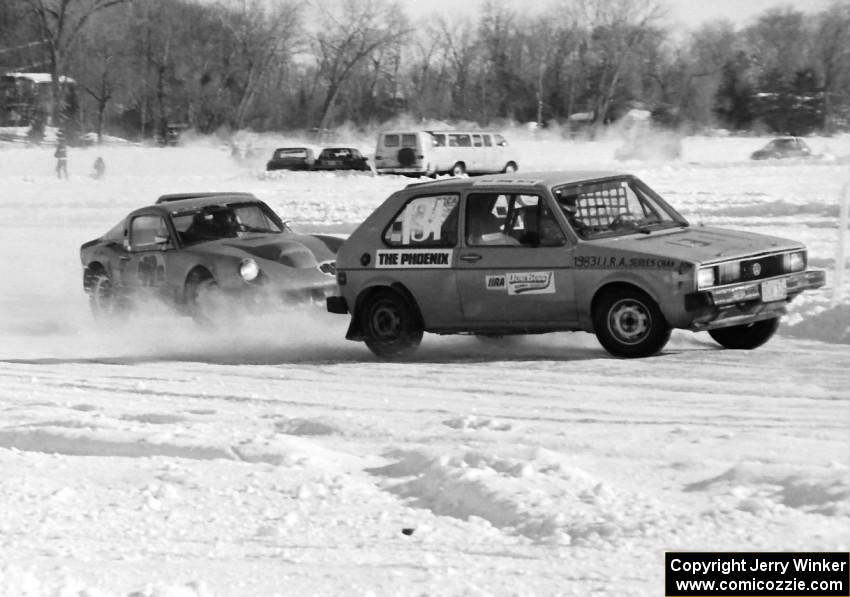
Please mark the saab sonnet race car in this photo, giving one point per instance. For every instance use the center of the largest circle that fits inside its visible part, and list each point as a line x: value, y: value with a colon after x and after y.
x: 527, y: 253
x: 193, y: 250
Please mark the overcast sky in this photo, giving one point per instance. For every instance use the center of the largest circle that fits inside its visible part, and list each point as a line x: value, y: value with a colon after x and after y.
x: 688, y: 12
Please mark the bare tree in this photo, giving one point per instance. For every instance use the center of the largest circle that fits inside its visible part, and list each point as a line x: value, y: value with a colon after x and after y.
x: 264, y: 37
x: 461, y: 50
x: 832, y: 53
x: 349, y: 32
x: 59, y: 23
x: 617, y: 27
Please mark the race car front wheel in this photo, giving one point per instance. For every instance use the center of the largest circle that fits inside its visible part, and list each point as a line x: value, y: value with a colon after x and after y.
x: 747, y: 336
x: 391, y: 327
x: 629, y: 324
x: 202, y: 299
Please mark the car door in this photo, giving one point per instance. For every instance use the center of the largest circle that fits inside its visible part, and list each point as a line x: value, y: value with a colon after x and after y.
x: 519, y: 275
x: 143, y: 268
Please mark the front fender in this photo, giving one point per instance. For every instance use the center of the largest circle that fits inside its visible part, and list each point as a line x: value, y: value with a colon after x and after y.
x: 661, y: 286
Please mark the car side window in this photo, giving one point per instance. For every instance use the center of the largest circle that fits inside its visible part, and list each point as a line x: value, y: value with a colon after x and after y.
x: 486, y: 218
x: 428, y: 221
x: 148, y: 233
x: 511, y: 220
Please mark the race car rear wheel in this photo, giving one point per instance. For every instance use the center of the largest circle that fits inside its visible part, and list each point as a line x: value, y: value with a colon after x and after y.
x: 390, y: 325
x: 629, y: 324
x: 747, y: 336
x: 102, y: 296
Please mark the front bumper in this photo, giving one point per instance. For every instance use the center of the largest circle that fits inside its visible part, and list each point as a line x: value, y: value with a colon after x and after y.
x: 746, y: 302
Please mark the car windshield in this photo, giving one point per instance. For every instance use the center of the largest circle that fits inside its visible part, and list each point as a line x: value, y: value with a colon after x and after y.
x: 615, y: 207
x: 214, y: 222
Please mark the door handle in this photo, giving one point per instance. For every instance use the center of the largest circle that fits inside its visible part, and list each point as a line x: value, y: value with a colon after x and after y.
x: 470, y: 257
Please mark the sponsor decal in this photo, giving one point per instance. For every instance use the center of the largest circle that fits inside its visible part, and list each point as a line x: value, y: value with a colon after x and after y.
x: 418, y: 258
x: 522, y: 282
x: 612, y: 262
x: 495, y: 282
x: 531, y: 283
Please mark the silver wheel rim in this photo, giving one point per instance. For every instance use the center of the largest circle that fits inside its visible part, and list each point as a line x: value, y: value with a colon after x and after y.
x: 629, y: 321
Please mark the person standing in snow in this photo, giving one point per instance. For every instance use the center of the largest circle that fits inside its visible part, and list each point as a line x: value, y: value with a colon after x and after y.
x: 99, y: 168
x: 61, y: 155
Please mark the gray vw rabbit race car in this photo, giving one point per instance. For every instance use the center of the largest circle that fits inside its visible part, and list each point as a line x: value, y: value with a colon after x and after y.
x: 195, y: 250
x: 526, y: 253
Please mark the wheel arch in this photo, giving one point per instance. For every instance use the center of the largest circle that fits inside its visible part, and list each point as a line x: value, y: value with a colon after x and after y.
x: 614, y: 286
x: 198, y: 273
x: 91, y: 271
x: 354, y: 330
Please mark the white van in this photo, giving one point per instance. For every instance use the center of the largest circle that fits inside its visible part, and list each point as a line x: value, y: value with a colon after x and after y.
x: 443, y: 152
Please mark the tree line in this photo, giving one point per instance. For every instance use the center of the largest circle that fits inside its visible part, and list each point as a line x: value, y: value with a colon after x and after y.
x: 143, y: 65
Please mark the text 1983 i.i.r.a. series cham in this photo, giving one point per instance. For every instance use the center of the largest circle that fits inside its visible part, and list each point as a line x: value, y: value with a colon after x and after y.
x: 557, y: 251
x: 192, y: 250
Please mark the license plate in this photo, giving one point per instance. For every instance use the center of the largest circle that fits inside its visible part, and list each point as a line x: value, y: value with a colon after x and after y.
x: 773, y: 290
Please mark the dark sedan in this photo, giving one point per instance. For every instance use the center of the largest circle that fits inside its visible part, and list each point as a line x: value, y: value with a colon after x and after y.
x: 291, y: 158
x: 341, y: 158
x: 193, y: 251
x: 783, y: 147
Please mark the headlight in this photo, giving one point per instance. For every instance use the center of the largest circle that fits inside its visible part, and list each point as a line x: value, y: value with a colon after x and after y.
x: 705, y: 277
x: 249, y: 269
x: 794, y: 262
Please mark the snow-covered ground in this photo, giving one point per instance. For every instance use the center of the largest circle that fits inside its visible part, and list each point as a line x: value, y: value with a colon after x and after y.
x: 273, y: 457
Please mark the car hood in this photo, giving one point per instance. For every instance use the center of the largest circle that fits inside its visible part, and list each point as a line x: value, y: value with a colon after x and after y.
x: 292, y: 250
x: 702, y: 244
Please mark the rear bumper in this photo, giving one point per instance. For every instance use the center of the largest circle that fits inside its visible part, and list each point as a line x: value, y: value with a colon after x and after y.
x: 737, y: 304
x: 420, y: 170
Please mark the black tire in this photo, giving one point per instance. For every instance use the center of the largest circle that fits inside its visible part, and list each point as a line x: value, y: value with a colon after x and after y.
x: 747, y: 336
x: 510, y: 167
x: 458, y: 169
x: 406, y: 156
x: 629, y: 324
x: 201, y: 298
x: 103, y: 299
x: 390, y: 325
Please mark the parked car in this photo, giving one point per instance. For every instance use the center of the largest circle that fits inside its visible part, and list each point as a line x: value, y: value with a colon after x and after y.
x: 559, y: 251
x: 428, y: 153
x: 193, y: 250
x: 783, y: 147
x: 291, y: 158
x: 341, y: 158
